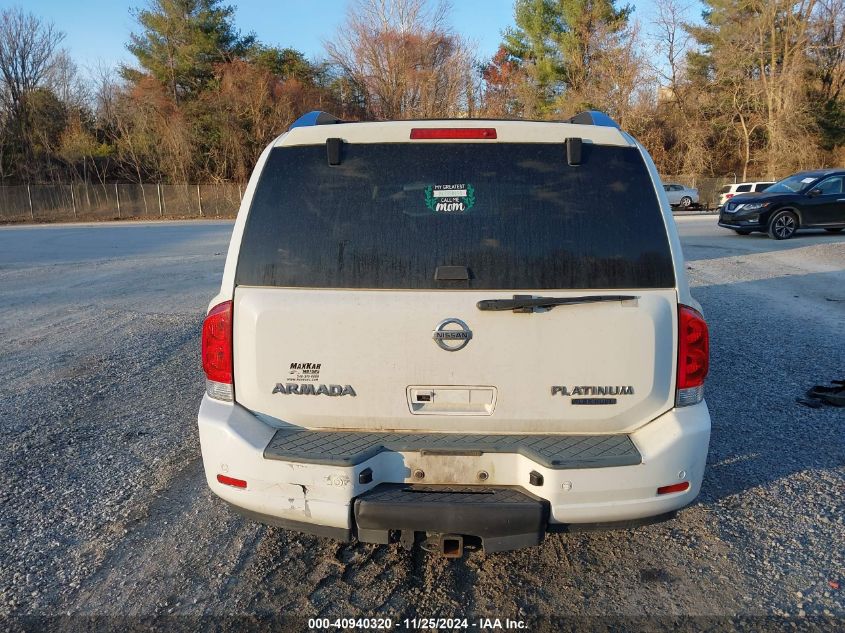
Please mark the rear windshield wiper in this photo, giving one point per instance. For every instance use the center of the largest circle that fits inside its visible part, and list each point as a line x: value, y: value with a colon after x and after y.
x: 527, y: 303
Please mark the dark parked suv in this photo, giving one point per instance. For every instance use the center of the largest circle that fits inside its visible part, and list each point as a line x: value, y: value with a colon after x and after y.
x: 807, y: 200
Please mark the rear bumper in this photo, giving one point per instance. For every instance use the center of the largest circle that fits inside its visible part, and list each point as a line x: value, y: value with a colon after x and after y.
x: 321, y: 498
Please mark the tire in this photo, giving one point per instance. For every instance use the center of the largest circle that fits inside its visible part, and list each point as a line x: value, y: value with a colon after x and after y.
x: 685, y: 203
x: 742, y: 232
x: 833, y: 230
x: 783, y: 225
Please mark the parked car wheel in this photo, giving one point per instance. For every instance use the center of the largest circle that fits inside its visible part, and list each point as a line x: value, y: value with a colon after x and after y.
x: 742, y: 231
x: 685, y: 202
x: 833, y: 230
x: 783, y: 225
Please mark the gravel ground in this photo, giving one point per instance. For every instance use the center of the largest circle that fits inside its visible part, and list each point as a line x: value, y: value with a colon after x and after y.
x: 105, y: 512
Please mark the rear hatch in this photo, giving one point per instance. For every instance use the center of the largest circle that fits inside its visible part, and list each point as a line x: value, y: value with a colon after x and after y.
x: 360, y: 288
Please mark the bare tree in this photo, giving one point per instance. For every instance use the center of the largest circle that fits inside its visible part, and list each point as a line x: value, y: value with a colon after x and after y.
x: 671, y: 42
x: 63, y: 78
x: 402, y: 59
x: 26, y: 50
x: 681, y: 110
x: 616, y: 74
x: 828, y: 51
x: 782, y: 30
x: 106, y: 91
x: 744, y: 105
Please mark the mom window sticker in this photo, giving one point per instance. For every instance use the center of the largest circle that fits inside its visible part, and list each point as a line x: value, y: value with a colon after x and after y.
x: 450, y: 198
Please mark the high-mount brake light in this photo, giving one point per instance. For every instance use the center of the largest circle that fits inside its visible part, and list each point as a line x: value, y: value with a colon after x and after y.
x: 693, y: 356
x: 427, y: 133
x: 217, y: 352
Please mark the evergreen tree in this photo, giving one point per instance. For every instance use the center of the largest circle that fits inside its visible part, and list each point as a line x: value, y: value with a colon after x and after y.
x: 534, y: 43
x: 559, y: 41
x: 282, y: 62
x: 181, y: 41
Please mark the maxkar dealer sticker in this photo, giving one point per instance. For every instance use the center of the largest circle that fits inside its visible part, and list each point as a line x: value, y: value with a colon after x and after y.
x: 450, y: 198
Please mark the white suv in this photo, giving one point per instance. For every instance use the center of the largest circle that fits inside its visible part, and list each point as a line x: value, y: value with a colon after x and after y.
x: 460, y: 329
x: 729, y: 191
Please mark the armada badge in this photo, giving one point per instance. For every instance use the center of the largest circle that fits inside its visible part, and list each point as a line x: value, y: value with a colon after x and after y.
x: 452, y: 334
x: 309, y: 389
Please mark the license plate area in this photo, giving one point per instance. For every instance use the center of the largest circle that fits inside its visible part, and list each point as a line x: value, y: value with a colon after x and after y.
x: 451, y: 400
x: 463, y: 468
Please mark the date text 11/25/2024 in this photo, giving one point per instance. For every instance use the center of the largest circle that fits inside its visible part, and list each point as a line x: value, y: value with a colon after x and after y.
x: 481, y: 624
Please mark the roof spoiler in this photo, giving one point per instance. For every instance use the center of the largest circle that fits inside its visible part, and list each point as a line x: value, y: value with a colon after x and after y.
x: 315, y: 117
x: 593, y: 117
x: 587, y: 117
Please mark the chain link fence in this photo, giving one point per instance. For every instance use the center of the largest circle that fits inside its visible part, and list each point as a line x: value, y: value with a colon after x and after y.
x: 68, y: 202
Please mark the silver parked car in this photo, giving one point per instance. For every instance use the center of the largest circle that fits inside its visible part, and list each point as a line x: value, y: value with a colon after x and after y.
x: 680, y: 196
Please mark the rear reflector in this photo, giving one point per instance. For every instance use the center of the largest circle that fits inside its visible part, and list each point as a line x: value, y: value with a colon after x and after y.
x: 693, y: 356
x: 217, y: 352
x: 231, y: 481
x: 422, y: 133
x: 680, y: 487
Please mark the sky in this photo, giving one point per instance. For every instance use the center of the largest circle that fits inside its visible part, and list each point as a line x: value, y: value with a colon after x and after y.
x: 96, y: 31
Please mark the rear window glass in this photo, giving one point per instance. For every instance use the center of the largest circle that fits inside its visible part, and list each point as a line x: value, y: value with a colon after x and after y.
x: 725, y: 189
x: 514, y: 215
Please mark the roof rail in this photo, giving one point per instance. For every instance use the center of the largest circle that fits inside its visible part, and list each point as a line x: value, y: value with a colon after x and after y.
x: 593, y: 117
x: 315, y: 117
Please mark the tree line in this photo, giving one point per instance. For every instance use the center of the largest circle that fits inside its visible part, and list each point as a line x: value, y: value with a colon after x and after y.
x: 755, y: 88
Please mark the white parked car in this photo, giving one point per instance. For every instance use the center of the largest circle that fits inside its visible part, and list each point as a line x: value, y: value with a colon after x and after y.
x: 454, y: 330
x: 681, y: 196
x: 729, y: 191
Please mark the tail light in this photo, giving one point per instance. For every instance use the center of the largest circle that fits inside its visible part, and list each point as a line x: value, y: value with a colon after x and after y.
x: 728, y: 196
x: 693, y: 356
x: 217, y: 352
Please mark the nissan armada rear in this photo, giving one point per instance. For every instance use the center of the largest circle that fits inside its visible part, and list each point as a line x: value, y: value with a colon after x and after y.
x: 453, y: 329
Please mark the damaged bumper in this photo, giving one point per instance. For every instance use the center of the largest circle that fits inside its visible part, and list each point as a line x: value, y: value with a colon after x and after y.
x: 467, y: 490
